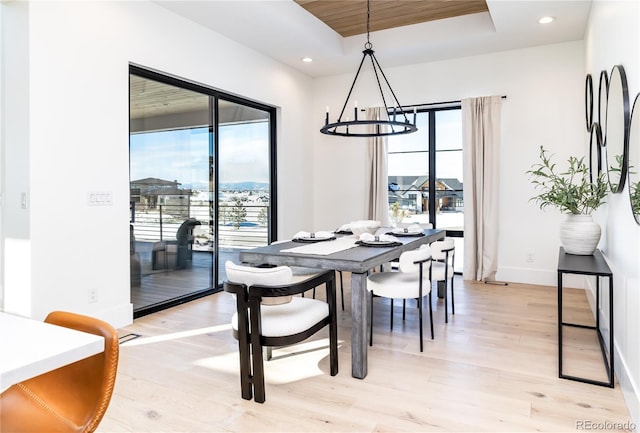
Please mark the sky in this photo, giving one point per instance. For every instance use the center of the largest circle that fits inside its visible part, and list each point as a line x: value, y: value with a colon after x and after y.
x: 183, y: 155
x: 448, y: 136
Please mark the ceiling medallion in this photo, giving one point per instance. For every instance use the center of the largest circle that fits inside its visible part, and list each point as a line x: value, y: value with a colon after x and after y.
x: 396, y: 124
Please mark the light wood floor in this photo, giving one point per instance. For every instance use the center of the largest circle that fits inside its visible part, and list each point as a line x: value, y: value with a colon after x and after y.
x: 493, y: 367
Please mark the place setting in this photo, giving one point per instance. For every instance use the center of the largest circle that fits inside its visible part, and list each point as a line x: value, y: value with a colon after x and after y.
x: 344, y: 229
x: 358, y: 227
x: 412, y: 230
x: 313, y: 237
x: 383, y: 240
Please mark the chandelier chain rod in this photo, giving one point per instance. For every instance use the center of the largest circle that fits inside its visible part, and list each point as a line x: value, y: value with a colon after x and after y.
x: 368, y: 45
x: 373, y: 56
x: 351, y: 89
x: 373, y: 65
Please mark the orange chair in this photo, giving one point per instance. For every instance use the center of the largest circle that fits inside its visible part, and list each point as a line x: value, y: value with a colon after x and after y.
x: 72, y: 398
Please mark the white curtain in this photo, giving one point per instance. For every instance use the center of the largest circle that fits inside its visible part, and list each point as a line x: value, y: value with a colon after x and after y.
x: 377, y: 174
x: 481, y: 150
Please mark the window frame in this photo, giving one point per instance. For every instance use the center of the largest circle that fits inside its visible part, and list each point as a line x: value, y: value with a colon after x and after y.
x: 431, y: 150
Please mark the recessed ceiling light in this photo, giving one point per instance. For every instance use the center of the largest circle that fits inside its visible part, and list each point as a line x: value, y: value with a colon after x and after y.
x: 546, y: 20
x: 307, y: 59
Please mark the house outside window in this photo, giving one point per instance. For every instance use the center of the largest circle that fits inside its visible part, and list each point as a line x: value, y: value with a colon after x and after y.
x: 416, y: 194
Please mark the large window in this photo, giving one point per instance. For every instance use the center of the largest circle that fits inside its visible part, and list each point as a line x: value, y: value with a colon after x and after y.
x: 425, y: 174
x: 202, y: 177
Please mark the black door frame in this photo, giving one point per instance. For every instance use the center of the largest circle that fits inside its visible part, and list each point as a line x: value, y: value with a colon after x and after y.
x: 214, y: 96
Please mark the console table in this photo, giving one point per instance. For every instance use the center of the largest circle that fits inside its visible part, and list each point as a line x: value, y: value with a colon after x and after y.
x: 587, y: 265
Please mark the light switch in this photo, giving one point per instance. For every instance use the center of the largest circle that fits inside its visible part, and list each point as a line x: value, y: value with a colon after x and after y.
x: 100, y: 198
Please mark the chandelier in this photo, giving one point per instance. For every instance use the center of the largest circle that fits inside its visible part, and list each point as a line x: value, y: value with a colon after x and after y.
x: 396, y: 124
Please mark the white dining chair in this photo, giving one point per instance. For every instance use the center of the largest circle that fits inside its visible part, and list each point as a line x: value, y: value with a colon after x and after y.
x: 442, y: 269
x: 412, y: 280
x: 393, y: 265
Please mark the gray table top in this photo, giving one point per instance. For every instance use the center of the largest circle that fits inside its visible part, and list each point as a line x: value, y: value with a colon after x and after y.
x: 358, y: 259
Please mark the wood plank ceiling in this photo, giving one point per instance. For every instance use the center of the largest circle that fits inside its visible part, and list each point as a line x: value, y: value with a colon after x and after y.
x: 150, y: 98
x: 349, y: 17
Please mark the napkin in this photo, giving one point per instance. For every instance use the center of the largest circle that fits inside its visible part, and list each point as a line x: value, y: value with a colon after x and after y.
x: 368, y: 237
x: 310, y: 235
x: 344, y: 228
x: 412, y: 228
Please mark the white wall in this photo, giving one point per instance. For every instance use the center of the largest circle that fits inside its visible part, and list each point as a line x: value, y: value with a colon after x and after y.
x: 544, y: 89
x: 613, y: 37
x: 71, y: 115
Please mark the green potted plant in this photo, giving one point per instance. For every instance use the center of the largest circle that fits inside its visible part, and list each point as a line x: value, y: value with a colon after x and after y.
x: 572, y: 192
x: 396, y: 213
x: 635, y: 199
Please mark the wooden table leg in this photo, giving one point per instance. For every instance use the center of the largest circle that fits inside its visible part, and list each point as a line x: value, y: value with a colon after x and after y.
x: 359, y: 325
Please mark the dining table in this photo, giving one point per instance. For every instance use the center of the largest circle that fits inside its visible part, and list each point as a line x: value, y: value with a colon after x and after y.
x: 344, y: 253
x: 31, y: 347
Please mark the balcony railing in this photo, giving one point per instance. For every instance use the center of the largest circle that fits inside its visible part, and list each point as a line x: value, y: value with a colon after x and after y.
x: 239, y: 226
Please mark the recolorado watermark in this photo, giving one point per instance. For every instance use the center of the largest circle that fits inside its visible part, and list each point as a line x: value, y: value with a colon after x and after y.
x: 590, y: 425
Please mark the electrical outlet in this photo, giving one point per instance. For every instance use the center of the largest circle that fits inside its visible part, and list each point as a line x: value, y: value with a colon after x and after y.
x: 93, y: 295
x: 530, y: 258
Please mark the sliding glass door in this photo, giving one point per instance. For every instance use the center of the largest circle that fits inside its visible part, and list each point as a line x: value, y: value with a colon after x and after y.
x: 201, y: 180
x: 244, y: 171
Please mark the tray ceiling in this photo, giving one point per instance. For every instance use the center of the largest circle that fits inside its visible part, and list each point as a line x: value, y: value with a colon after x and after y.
x: 348, y: 18
x: 288, y: 30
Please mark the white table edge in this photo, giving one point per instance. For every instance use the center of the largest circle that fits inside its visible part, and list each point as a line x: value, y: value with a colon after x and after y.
x: 58, y: 346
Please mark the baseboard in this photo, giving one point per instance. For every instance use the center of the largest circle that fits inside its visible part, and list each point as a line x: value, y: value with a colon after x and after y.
x: 629, y: 389
x: 118, y: 316
x: 539, y: 277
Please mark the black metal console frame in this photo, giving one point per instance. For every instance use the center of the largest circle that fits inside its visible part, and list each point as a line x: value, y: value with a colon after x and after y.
x: 587, y: 265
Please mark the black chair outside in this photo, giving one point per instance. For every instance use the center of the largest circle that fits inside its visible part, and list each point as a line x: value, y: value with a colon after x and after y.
x: 175, y: 254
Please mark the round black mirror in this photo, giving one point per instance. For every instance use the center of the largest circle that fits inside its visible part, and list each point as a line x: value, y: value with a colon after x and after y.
x: 588, y: 101
x: 616, y: 133
x: 603, y: 88
x: 634, y: 159
x: 595, y: 151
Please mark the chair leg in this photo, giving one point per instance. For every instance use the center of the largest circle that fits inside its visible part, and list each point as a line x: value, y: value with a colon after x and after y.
x: 330, y: 287
x: 269, y: 353
x: 341, y: 290
x: 404, y: 309
x: 245, y: 369
x: 453, y: 304
x: 258, y: 370
x: 420, y: 320
x: 371, y: 321
x: 431, y: 315
x: 391, y: 325
x: 446, y: 303
x: 256, y: 358
x: 333, y: 336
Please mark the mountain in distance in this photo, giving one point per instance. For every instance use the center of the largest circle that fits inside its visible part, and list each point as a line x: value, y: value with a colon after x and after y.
x: 244, y: 186
x: 228, y: 186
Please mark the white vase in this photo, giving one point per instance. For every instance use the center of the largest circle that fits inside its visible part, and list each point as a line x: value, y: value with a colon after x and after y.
x: 579, y: 234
